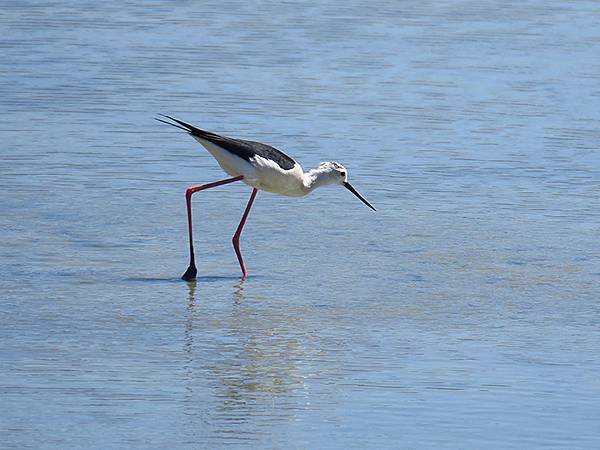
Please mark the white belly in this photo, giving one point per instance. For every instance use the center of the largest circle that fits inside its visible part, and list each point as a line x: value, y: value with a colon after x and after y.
x: 230, y: 163
x: 272, y: 178
x: 259, y: 172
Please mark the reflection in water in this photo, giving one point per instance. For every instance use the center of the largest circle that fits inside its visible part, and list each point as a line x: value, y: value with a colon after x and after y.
x: 191, y: 308
x: 247, y: 371
x: 238, y: 293
x: 188, y: 342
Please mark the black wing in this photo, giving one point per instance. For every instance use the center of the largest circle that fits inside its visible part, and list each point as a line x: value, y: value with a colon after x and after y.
x: 239, y: 147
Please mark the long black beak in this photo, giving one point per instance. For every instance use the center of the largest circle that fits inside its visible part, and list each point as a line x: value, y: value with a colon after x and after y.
x: 362, y: 199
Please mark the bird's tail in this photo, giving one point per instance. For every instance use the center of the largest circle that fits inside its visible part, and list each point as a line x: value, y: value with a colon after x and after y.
x: 184, y: 126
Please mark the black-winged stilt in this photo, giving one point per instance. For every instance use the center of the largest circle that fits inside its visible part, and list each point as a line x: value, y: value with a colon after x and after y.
x: 262, y: 167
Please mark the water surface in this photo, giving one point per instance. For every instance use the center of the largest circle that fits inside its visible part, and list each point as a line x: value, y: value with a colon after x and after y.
x: 463, y: 314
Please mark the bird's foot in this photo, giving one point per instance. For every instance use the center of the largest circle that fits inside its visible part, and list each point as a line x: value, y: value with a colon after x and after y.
x: 190, y: 273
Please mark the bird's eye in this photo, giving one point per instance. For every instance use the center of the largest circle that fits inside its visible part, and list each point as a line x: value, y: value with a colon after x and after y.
x: 343, y: 174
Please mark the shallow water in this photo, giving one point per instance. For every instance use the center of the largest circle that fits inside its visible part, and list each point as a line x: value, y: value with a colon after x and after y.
x: 463, y: 314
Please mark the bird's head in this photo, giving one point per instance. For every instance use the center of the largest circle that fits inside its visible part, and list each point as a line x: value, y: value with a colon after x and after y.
x: 338, y: 174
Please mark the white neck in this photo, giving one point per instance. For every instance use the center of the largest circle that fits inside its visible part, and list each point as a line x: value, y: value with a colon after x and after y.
x: 316, y: 178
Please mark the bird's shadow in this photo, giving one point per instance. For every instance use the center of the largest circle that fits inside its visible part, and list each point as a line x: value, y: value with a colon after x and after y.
x: 201, y: 279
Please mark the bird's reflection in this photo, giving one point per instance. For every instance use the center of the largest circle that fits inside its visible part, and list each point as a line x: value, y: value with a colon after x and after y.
x: 188, y: 342
x: 238, y: 292
x: 248, y: 357
x: 189, y: 323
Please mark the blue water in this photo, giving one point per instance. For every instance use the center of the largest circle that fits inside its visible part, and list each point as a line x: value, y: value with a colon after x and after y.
x: 463, y: 314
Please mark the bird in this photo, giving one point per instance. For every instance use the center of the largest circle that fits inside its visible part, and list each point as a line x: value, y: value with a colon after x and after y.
x: 261, y: 167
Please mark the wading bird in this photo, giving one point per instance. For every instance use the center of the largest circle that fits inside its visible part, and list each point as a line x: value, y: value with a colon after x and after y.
x: 260, y: 166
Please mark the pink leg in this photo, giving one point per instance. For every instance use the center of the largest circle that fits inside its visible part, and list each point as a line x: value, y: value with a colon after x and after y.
x: 191, y: 271
x: 238, y: 232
